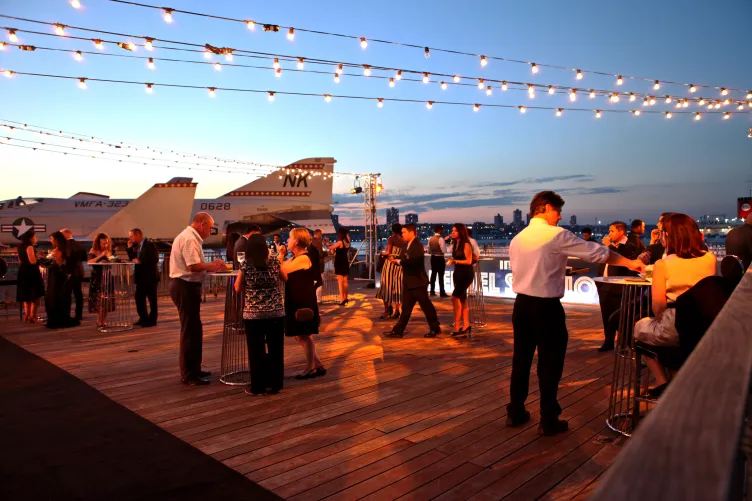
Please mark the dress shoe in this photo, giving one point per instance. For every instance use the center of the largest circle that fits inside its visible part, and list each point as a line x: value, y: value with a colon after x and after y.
x: 519, y: 420
x: 204, y: 373
x: 149, y: 324
x: 138, y: 322
x: 433, y: 333
x: 606, y: 346
x: 195, y: 381
x: 657, y: 391
x: 444, y: 294
x: 247, y: 390
x: 552, y: 428
x: 432, y: 293
x: 393, y: 334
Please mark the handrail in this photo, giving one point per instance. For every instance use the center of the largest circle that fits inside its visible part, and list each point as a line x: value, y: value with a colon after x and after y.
x: 687, y: 447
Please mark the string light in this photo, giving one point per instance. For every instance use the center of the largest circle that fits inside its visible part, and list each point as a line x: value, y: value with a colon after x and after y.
x: 366, y: 71
x: 339, y: 69
x: 217, y: 66
x: 614, y: 98
x: 489, y: 91
x: 692, y: 88
x: 522, y: 109
x: 572, y: 95
x: 559, y: 111
x: 710, y: 106
x: 592, y: 94
x: 579, y: 75
x: 652, y: 101
x: 399, y: 75
x: 740, y: 107
x: 636, y: 112
x: 749, y: 95
x: 228, y: 54
x: 12, y: 35
x: 645, y: 102
x: 211, y: 91
x: 727, y: 115
x: 444, y: 86
x: 717, y: 105
x: 275, y: 65
x: 75, y: 4
x: 723, y: 91
x: 60, y: 30
x: 278, y: 73
x: 82, y: 83
x: 727, y: 102
x: 328, y: 98
x: 481, y: 83
x: 550, y: 89
x: 150, y: 64
x: 597, y: 113
x: 126, y: 46
x: 301, y: 63
x: 697, y: 116
x: 380, y: 102
x: 425, y: 78
x: 291, y: 34
x: 534, y: 68
x: 668, y: 99
x: 678, y: 104
x: 657, y: 85
x: 271, y: 97
x: 701, y: 102
x: 391, y: 82
x: 363, y: 43
x: 476, y: 107
x: 78, y: 56
x: 619, y: 80
x: 429, y: 105
x: 530, y: 89
x: 2, y: 45
x: 149, y: 88
x: 167, y: 15
x: 251, y: 25
x: 685, y: 104
x: 336, y: 77
x: 483, y: 61
x: 8, y: 73
x: 149, y: 45
x: 668, y: 114
x: 632, y: 97
x: 456, y: 78
x: 504, y: 86
x: 427, y: 52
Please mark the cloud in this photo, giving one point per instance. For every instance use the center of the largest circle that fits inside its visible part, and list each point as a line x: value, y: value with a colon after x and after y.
x: 583, y: 178
x: 600, y: 190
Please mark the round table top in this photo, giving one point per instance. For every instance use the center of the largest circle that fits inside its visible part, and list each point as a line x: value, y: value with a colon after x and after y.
x: 231, y: 273
x: 112, y: 263
x: 624, y: 280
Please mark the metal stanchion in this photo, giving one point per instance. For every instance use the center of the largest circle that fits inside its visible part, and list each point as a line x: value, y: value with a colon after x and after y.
x: 330, y: 294
x: 115, y: 297
x: 234, y: 369
x: 477, y: 302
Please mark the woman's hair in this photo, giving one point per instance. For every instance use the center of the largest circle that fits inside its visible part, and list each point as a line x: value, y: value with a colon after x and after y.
x: 397, y: 229
x: 60, y: 243
x: 464, y: 237
x: 27, y: 237
x: 96, y: 246
x: 343, y: 234
x: 302, y: 236
x: 683, y: 236
x: 257, y: 252
x: 232, y: 238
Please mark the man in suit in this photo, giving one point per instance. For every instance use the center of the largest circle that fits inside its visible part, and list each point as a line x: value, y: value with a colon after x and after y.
x: 437, y: 248
x: 414, y: 285
x: 635, y: 235
x: 143, y: 253
x: 739, y: 242
x: 609, y: 295
x: 242, y: 243
x: 74, y: 268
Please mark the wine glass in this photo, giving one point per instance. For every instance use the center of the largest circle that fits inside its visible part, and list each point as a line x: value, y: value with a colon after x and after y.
x: 241, y: 257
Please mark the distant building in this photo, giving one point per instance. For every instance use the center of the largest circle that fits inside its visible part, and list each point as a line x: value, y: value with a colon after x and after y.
x: 573, y: 221
x: 499, y: 221
x: 411, y: 218
x: 392, y: 216
x: 517, y: 218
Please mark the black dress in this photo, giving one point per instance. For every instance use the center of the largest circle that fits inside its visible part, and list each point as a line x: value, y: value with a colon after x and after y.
x: 341, y: 260
x: 463, y: 274
x: 30, y: 284
x: 300, y: 292
x: 56, y: 304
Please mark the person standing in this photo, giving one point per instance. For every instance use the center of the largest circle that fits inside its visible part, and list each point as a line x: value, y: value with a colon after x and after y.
x: 609, y: 295
x: 739, y: 242
x: 437, y: 249
x: 414, y: 286
x: 390, y: 290
x: 74, y: 269
x: 57, y: 297
x: 30, y: 284
x: 100, y: 252
x: 187, y: 271
x: 259, y: 284
x: 242, y: 243
x: 635, y: 235
x: 538, y: 257
x: 462, y: 259
x: 342, y: 263
x: 143, y: 253
x: 316, y: 255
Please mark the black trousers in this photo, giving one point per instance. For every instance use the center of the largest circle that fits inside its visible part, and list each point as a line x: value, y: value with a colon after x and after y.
x: 266, y: 353
x: 609, y: 297
x: 438, y: 267
x: 144, y: 292
x: 74, y: 286
x: 538, y: 322
x: 409, y: 298
x: 187, y: 297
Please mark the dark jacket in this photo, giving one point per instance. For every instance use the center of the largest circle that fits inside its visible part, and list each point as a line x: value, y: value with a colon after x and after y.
x: 629, y: 251
x: 414, y: 266
x: 74, y: 261
x: 146, y: 271
x: 635, y: 240
x: 656, y: 251
x: 739, y: 243
x: 313, y: 255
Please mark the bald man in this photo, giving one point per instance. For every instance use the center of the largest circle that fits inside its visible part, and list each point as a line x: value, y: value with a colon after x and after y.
x: 74, y: 269
x: 187, y: 271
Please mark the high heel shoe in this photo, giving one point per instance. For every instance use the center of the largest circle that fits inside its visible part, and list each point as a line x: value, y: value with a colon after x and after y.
x: 396, y: 314
x: 468, y: 331
x: 344, y: 302
x: 387, y: 314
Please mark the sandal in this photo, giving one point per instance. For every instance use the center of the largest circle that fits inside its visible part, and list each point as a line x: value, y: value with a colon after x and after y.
x: 306, y: 375
x: 319, y: 371
x: 396, y: 314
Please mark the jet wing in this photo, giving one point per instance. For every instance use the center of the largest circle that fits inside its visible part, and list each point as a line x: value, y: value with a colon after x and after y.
x: 161, y: 213
x: 325, y: 225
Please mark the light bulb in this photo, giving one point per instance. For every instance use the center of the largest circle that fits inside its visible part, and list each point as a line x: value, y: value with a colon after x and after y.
x: 363, y: 43
x: 367, y: 71
x: 550, y: 89
x: 82, y: 83
x: 668, y: 99
x: 78, y: 56
x: 619, y: 80
x: 456, y: 78
x: 429, y: 105
x: 339, y: 69
x: 685, y: 104
x: 740, y: 107
x: 291, y: 34
x: 632, y: 97
x: 692, y: 88
x: 592, y: 94
x: 727, y: 101
x: 228, y: 55
x: 657, y: 85
x: 483, y: 61
x: 668, y: 114
x: 251, y: 25
x: 723, y: 91
x: 60, y: 30
x: 597, y: 113
x: 211, y: 91
x: 701, y: 102
x: 380, y: 102
x: 727, y: 115
x: 481, y: 84
x: 8, y: 73
x: 749, y: 103
x: 131, y: 46
x: 301, y: 64
x: 425, y: 78
x: 522, y: 109
x: 278, y: 72
x: 476, y: 107
x: 717, y: 105
x: 636, y: 112
x: 12, y: 36
x: 559, y: 111
x: 489, y: 91
x: 399, y: 75
x: 150, y: 64
x: 391, y: 82
x: 534, y: 68
x: 2, y: 45
x: 697, y: 116
x: 275, y: 65
x: 652, y: 101
x: 149, y: 88
x: 614, y: 98
x: 572, y: 95
x: 427, y: 52
x: 749, y: 95
x: 168, y: 15
x: 336, y: 78
x: 217, y: 66
x: 678, y: 104
x: 328, y: 98
x: 443, y: 86
x: 149, y: 45
x: 75, y: 4
x: 271, y: 97
x: 579, y: 75
x: 504, y: 86
x: 710, y: 106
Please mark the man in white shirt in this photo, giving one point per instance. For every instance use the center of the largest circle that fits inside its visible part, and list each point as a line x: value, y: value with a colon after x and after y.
x: 187, y: 271
x: 538, y: 257
x: 437, y: 249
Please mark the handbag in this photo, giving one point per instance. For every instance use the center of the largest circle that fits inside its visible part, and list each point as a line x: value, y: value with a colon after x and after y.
x: 304, y: 315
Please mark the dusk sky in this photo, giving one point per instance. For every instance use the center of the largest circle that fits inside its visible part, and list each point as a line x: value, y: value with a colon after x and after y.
x: 447, y: 163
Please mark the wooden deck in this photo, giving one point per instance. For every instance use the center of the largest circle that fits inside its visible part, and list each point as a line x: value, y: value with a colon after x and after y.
x: 408, y: 418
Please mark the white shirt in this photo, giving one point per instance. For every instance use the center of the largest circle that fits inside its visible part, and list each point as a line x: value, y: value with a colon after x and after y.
x: 186, y: 251
x: 538, y: 257
x: 474, y: 245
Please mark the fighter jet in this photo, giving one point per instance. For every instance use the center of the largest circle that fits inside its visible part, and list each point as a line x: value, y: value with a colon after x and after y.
x: 299, y: 194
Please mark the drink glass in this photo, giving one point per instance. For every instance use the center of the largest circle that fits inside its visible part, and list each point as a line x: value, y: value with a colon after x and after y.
x: 241, y: 257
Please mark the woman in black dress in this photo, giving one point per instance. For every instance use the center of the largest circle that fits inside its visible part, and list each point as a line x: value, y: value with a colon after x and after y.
x: 342, y: 262
x: 462, y: 259
x: 30, y: 286
x: 101, y: 251
x: 57, y: 305
x: 301, y: 309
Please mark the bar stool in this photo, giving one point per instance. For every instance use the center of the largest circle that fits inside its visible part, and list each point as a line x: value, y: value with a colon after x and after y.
x: 115, y: 297
x: 234, y: 368
x: 330, y: 294
x: 476, y: 300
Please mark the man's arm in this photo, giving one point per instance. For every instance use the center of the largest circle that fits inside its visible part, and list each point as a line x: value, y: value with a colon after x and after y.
x: 571, y: 245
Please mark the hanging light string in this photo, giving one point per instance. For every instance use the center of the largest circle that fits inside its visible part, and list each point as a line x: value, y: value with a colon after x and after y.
x: 507, y: 85
x: 328, y: 97
x: 446, y: 79
x: 483, y: 58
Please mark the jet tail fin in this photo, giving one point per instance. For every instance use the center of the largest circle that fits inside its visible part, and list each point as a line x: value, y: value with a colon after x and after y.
x: 161, y: 212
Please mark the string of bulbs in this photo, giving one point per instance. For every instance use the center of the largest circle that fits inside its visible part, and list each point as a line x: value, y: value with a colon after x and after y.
x: 507, y: 85
x: 271, y: 95
x: 483, y: 59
